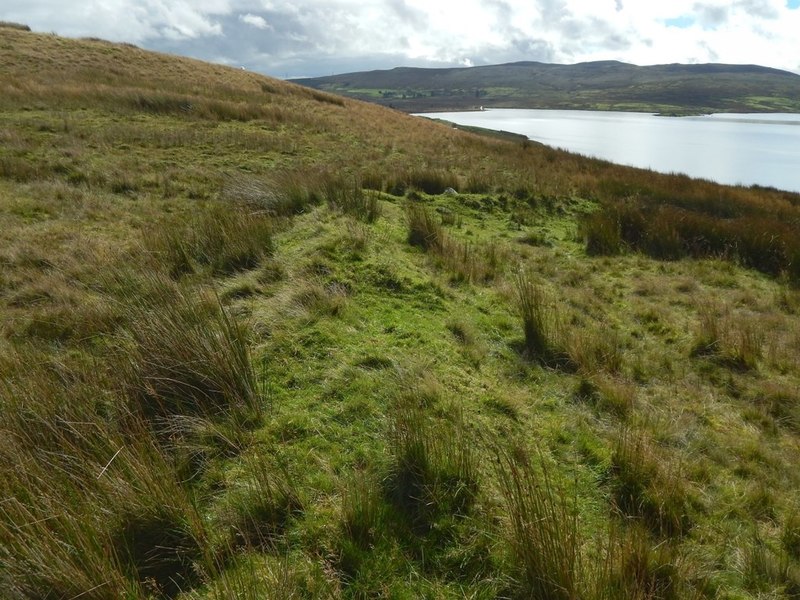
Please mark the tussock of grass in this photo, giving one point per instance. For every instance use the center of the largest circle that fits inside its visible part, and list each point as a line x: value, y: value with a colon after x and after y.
x: 257, y: 511
x: 224, y: 239
x: 282, y: 195
x: 352, y: 199
x: 734, y: 341
x: 766, y: 571
x: 11, y: 25
x: 790, y: 536
x: 646, y: 489
x: 758, y: 236
x: 636, y: 568
x: 780, y: 402
x: 607, y: 394
x: 466, y: 334
x: 542, y: 324
x: 185, y: 356
x: 544, y: 531
x: 321, y: 299
x: 434, y: 471
x: 596, y: 349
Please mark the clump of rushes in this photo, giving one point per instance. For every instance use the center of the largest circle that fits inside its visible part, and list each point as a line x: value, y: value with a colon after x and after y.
x: 223, y: 239
x: 424, y: 229
x: 362, y: 509
x: 429, y: 180
x: 434, y: 469
x: 467, y: 262
x: 257, y: 511
x: 540, y: 319
x: 601, y: 234
x: 471, y: 262
x: 54, y: 514
x: 128, y: 530
x: 365, y: 521
x: 158, y: 548
x: 734, y: 343
x: 186, y: 356
x: 645, y: 489
x: 544, y: 530
x: 636, y: 568
x: 668, y: 226
x: 351, y: 199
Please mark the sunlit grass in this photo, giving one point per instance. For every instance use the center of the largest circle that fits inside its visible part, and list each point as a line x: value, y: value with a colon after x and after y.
x: 250, y: 347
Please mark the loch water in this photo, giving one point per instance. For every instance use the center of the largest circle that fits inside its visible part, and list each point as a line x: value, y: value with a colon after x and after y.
x: 735, y: 149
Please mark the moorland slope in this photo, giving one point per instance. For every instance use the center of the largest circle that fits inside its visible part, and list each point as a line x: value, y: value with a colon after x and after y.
x: 252, y: 346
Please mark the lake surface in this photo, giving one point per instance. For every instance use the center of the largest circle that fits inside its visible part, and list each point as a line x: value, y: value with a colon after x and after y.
x: 744, y: 149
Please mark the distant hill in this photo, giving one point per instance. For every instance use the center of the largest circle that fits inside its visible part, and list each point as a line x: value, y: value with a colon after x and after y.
x: 605, y: 85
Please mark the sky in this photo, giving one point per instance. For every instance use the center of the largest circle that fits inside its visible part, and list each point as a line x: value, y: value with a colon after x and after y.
x: 309, y: 38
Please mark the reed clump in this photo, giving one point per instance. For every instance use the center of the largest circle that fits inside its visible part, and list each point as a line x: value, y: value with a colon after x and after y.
x: 186, y: 356
x: 670, y: 228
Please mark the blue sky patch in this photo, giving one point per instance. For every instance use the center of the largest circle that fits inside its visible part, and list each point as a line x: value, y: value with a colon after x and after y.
x: 793, y: 3
x: 686, y: 21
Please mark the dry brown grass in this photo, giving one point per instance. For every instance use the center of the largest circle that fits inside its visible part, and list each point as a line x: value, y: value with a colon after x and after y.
x: 79, y: 189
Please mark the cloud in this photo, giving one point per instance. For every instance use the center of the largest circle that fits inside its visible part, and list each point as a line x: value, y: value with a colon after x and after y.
x: 255, y: 20
x: 712, y: 16
x: 759, y: 8
x: 316, y: 37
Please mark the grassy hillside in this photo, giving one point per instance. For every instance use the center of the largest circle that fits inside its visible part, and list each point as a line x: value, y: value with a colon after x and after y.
x: 252, y: 347
x: 605, y: 85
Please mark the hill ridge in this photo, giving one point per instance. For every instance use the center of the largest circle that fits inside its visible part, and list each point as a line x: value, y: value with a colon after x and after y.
x: 605, y: 85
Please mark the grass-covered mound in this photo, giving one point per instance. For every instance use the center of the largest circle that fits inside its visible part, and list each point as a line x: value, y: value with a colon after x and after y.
x: 251, y: 347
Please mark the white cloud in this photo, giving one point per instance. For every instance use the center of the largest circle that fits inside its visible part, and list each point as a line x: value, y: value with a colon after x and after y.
x: 319, y: 37
x: 255, y: 20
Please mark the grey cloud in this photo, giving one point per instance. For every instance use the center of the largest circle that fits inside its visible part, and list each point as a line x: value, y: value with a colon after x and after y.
x: 406, y: 13
x: 758, y: 8
x: 320, y: 37
x: 502, y: 10
x: 553, y: 11
x: 586, y: 35
x: 711, y: 54
x: 711, y: 16
x: 530, y: 49
x: 300, y: 43
x: 504, y: 20
x: 616, y: 41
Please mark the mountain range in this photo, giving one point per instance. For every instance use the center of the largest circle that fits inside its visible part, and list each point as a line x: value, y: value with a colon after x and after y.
x: 603, y: 85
